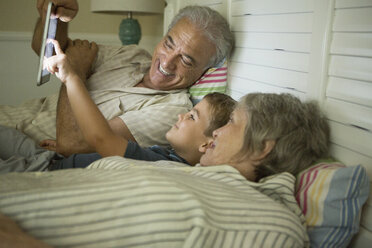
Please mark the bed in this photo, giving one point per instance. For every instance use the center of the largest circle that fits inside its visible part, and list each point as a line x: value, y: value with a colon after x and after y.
x: 313, y: 49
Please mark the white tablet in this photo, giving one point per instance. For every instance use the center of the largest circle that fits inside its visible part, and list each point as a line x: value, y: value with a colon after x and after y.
x: 46, y: 50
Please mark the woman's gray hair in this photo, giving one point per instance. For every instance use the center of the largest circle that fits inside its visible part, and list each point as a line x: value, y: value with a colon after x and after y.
x: 214, y: 26
x: 299, y: 129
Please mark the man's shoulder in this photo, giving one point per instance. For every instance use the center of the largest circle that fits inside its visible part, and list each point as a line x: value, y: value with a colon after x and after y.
x: 128, y: 50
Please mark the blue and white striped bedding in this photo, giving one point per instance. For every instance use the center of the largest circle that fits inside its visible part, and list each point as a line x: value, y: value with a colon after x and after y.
x: 119, y: 202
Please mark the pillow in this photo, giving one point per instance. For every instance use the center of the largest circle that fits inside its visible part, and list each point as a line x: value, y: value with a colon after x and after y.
x: 213, y: 80
x: 331, y: 196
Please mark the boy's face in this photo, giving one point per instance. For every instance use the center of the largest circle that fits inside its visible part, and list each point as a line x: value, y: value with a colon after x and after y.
x: 188, y: 133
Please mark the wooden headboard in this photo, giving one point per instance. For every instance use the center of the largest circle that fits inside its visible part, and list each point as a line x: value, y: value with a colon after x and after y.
x: 314, y: 49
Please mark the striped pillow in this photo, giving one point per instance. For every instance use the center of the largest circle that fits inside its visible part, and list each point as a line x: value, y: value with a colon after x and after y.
x: 331, y: 196
x: 213, y: 80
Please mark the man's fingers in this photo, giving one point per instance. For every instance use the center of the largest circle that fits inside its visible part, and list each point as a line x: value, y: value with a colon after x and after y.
x: 65, y: 15
x: 94, y: 46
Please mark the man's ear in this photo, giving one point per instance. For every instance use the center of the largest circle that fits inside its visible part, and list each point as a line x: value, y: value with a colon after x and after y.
x: 203, y: 147
x: 269, y: 145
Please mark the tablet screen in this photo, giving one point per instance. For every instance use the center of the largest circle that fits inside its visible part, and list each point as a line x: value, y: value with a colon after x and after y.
x: 46, y: 50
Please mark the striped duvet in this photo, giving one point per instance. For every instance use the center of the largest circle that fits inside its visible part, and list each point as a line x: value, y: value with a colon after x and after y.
x: 119, y: 202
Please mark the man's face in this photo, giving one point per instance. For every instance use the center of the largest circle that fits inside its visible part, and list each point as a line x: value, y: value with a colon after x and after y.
x: 180, y: 58
x: 188, y: 133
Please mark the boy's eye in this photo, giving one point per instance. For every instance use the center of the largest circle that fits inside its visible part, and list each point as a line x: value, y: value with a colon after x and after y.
x: 191, y: 116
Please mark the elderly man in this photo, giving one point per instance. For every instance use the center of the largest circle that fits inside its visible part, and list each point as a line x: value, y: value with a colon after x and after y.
x: 139, y: 95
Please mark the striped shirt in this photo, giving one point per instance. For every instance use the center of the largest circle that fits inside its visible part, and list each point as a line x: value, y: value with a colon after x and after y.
x: 148, y: 113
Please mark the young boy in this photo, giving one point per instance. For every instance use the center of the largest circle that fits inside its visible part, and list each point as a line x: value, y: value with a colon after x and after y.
x: 188, y: 137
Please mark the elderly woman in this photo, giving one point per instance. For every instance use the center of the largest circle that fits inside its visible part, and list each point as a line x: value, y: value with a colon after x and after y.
x: 269, y: 134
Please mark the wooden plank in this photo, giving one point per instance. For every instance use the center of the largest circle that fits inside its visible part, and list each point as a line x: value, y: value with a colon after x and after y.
x: 287, y: 23
x: 353, y: 20
x: 274, y: 41
x: 353, y: 3
x: 350, y: 157
x: 244, y: 86
x: 279, y: 77
x: 354, y: 91
x: 355, y: 139
x: 355, y: 44
x: 254, y: 7
x: 356, y: 68
x: 349, y: 113
x: 277, y: 59
x: 198, y: 2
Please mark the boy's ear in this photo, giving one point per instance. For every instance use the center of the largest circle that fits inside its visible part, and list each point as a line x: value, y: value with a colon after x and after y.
x: 203, y: 147
x: 269, y: 145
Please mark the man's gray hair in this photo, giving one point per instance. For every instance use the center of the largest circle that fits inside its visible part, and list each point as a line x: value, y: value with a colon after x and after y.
x: 214, y: 26
x: 300, y: 131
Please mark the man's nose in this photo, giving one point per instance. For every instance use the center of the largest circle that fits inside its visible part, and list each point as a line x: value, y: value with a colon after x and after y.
x: 169, y: 61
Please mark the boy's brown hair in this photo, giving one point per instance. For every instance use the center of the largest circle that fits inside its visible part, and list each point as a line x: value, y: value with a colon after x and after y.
x: 221, y: 107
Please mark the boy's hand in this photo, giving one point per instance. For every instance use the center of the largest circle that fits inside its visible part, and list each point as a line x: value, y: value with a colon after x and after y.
x: 76, y: 62
x: 65, y: 10
x: 49, y: 144
x: 59, y: 64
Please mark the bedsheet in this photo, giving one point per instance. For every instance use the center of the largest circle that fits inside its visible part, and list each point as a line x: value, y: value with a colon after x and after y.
x: 36, y: 117
x: 118, y: 202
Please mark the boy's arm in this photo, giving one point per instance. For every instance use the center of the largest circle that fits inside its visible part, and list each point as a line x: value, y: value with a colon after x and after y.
x: 95, y: 129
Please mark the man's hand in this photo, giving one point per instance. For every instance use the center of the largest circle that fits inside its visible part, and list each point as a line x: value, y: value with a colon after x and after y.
x: 65, y: 10
x: 49, y: 144
x: 82, y: 54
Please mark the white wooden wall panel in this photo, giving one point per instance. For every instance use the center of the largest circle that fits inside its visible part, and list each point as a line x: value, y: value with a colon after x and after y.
x: 349, y: 114
x: 198, y: 2
x: 354, y: 91
x: 279, y: 77
x: 272, y: 46
x: 273, y: 23
x: 352, y: 138
x: 350, y: 157
x: 351, y: 67
x: 218, y: 5
x: 277, y: 59
x: 353, y: 3
x: 357, y: 19
x: 270, y: 7
x: 293, y: 42
x: 358, y: 44
x: 240, y: 87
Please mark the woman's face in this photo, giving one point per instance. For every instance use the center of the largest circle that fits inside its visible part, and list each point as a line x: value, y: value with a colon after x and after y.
x: 227, y: 141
